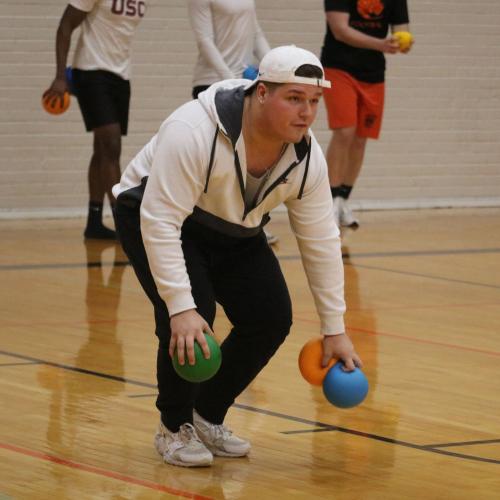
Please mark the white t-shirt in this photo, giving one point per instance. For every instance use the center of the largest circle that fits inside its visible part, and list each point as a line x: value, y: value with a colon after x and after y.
x: 229, y: 38
x: 106, y: 34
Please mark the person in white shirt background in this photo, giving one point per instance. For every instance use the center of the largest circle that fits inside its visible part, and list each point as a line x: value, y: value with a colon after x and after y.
x: 101, y: 81
x: 230, y: 44
x: 191, y: 227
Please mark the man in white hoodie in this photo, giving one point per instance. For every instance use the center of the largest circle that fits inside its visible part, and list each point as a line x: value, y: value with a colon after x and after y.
x: 191, y: 208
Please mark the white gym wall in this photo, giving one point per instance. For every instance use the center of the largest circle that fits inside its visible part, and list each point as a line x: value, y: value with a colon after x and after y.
x: 440, y: 139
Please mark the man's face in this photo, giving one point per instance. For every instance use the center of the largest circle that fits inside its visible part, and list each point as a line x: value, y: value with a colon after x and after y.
x: 290, y: 109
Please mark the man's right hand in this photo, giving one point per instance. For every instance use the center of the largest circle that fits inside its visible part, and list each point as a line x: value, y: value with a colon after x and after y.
x: 186, y: 327
x: 389, y: 45
x: 57, y: 89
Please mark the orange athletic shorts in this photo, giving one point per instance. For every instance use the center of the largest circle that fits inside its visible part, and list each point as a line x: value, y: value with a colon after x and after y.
x: 351, y: 103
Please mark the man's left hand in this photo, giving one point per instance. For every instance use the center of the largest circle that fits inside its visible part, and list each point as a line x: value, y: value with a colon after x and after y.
x: 340, y: 347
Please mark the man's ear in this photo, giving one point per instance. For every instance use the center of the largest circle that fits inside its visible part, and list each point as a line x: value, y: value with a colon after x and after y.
x: 261, y: 92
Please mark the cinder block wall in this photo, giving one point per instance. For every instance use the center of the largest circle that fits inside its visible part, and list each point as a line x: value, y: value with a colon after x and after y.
x: 440, y: 141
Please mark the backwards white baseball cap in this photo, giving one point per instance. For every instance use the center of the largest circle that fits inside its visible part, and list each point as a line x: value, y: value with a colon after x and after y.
x: 280, y: 64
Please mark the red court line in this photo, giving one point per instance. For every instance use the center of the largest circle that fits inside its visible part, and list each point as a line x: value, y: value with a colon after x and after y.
x: 102, y: 472
x: 426, y: 341
x: 411, y: 339
x: 416, y: 308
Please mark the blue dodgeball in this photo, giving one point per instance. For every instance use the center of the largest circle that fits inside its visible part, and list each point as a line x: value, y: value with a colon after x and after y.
x: 345, y: 389
x: 250, y: 73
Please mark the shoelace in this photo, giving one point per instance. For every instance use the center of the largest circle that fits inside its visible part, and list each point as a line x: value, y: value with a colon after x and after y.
x: 187, y: 433
x: 221, y: 431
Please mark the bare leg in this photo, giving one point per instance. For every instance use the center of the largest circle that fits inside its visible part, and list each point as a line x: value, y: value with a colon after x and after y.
x: 96, y: 191
x: 337, y: 154
x: 337, y: 157
x: 108, y: 144
x: 355, y: 161
x: 356, y: 156
x: 104, y: 173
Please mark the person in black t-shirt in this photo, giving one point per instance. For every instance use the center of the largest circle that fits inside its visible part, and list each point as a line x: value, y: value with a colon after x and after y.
x: 353, y: 57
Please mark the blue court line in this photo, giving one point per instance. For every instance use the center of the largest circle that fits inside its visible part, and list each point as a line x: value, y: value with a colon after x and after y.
x: 284, y: 416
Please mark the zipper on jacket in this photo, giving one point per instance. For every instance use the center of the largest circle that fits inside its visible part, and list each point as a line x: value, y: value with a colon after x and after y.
x: 212, y: 157
x: 239, y: 173
x: 278, y: 181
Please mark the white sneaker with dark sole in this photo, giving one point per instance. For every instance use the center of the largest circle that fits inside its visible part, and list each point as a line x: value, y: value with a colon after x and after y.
x: 219, y: 439
x: 336, y: 210
x: 183, y: 448
x: 346, y: 217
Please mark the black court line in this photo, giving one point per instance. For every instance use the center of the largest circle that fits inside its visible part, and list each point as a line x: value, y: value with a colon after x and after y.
x: 76, y: 265
x: 412, y: 253
x: 78, y: 370
x: 270, y: 413
x: 307, y: 432
x: 30, y: 267
x: 2, y: 365
x: 369, y: 435
x: 463, y: 443
x: 72, y: 265
x: 426, y: 276
x: 422, y: 253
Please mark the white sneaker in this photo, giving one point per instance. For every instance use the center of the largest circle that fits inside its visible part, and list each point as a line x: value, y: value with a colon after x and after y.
x: 219, y: 439
x: 271, y: 238
x: 182, y: 448
x: 346, y: 217
x: 337, y: 201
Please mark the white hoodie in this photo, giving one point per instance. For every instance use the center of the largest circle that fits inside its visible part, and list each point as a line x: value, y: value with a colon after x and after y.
x: 196, y: 166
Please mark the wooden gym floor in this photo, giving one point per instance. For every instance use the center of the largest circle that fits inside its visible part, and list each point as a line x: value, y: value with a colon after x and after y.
x: 77, y: 372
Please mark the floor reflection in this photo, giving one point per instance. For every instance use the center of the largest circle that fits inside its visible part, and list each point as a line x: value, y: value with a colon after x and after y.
x: 346, y: 453
x: 79, y: 408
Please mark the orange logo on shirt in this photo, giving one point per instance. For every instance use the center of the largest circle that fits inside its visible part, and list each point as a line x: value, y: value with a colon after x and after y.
x: 370, y: 9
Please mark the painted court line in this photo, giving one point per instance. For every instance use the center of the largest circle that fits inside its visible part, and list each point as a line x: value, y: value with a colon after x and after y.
x: 404, y: 337
x: 425, y: 341
x: 463, y: 443
x: 404, y: 273
x: 70, y: 265
x: 284, y: 416
x: 403, y: 253
x: 3, y: 365
x: 425, y: 276
x: 411, y: 307
x: 369, y: 435
x: 101, y: 472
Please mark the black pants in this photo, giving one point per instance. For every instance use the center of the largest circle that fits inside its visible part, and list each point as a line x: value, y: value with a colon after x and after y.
x: 241, y: 274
